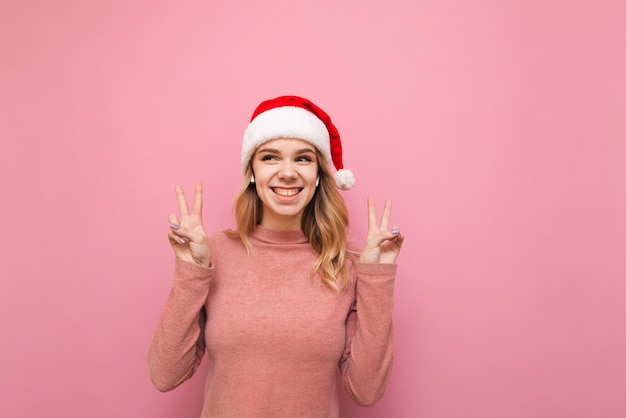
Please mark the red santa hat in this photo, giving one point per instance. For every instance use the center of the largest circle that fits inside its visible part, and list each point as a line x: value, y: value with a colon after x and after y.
x: 296, y: 117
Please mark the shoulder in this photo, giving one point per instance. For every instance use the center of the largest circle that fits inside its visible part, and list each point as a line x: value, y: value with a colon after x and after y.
x: 353, y: 251
x: 224, y: 238
x: 352, y: 256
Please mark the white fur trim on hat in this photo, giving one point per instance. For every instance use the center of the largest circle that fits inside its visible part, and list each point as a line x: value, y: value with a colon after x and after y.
x: 284, y: 122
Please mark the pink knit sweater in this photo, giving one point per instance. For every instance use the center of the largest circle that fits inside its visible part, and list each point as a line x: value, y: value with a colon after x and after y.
x: 275, y: 338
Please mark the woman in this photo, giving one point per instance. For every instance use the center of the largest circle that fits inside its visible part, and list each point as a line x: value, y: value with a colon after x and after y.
x: 276, y: 303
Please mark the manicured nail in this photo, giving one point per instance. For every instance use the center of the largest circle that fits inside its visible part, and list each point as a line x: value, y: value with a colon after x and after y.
x: 395, y: 231
x: 173, y: 226
x: 181, y: 240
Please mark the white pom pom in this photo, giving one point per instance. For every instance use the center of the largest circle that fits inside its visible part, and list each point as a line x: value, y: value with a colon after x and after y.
x: 344, y: 179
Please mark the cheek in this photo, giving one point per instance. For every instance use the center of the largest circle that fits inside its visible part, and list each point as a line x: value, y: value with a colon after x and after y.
x: 314, y: 171
x: 311, y: 175
x: 260, y: 172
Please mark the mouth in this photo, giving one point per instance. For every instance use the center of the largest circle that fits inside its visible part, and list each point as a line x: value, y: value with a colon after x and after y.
x: 286, y: 192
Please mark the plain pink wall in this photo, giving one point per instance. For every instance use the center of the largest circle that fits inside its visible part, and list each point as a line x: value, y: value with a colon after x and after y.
x: 498, y: 128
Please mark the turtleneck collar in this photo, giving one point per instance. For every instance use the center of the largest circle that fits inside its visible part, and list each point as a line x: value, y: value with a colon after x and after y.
x: 272, y: 236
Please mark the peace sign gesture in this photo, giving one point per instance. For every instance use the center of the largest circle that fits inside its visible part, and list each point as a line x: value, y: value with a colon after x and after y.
x: 187, y: 236
x: 381, y: 245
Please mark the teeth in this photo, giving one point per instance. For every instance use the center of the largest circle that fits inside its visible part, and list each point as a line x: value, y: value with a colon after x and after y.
x: 286, y: 192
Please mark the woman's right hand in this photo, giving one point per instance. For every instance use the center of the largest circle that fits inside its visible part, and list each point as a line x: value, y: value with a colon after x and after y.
x: 187, y: 236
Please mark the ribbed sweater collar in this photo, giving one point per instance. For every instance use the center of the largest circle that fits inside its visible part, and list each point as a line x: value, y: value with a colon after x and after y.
x: 271, y: 236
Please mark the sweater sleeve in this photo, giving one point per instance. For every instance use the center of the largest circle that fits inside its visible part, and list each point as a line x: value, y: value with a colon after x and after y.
x: 368, y: 355
x: 177, y: 344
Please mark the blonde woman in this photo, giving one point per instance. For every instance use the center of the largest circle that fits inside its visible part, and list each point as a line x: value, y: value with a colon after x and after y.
x: 281, y: 304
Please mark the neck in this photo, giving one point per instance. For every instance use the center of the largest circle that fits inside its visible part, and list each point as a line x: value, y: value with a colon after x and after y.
x: 280, y: 224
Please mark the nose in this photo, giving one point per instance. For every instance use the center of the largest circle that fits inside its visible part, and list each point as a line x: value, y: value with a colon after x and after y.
x: 287, y: 169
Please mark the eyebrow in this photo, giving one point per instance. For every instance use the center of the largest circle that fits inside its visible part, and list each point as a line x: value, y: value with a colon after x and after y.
x: 275, y: 151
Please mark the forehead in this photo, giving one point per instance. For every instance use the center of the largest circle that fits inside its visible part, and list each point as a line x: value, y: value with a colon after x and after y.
x: 287, y: 144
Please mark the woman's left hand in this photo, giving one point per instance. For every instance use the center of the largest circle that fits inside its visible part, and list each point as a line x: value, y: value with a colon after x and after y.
x: 381, y: 245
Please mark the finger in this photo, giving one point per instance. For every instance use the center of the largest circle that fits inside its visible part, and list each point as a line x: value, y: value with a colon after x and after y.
x: 384, y: 222
x: 174, y: 230
x: 377, y: 239
x: 182, y: 203
x: 371, y: 214
x: 175, y: 239
x: 392, y: 250
x: 184, y: 234
x: 171, y: 238
x: 197, y: 201
x: 398, y: 240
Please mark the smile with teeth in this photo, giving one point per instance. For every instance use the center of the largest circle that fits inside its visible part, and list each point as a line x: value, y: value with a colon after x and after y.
x: 286, y: 192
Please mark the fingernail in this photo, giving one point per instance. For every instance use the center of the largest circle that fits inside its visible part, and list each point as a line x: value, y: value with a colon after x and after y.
x: 181, y: 240
x: 173, y: 226
x: 395, y: 231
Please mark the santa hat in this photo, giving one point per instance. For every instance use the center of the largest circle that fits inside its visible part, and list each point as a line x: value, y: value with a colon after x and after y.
x: 296, y: 117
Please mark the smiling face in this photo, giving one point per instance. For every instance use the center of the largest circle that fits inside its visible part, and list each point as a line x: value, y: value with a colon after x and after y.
x: 285, y: 172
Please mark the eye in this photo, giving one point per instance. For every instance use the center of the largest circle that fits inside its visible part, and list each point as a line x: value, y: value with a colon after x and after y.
x: 268, y: 157
x: 304, y: 158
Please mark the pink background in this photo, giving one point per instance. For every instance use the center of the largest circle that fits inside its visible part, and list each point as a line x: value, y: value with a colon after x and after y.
x: 498, y: 128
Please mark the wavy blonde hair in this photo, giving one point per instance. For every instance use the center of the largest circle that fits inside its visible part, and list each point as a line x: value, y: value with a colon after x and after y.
x: 324, y: 223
